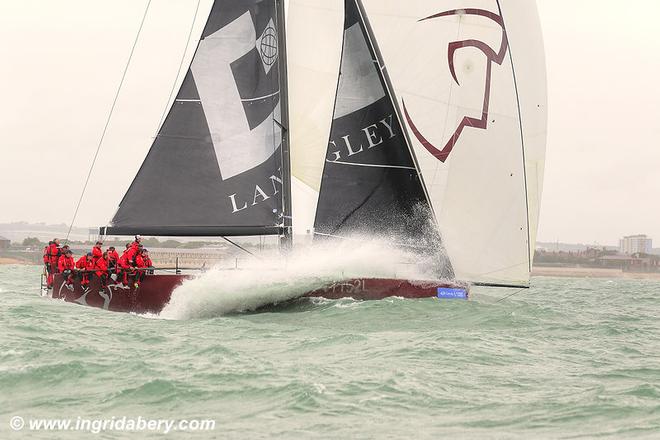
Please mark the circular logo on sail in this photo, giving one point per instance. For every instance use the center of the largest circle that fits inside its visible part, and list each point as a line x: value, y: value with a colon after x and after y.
x: 268, y: 46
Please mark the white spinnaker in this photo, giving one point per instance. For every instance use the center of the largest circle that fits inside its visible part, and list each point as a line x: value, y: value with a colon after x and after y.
x: 314, y: 41
x: 527, y: 49
x: 484, y: 181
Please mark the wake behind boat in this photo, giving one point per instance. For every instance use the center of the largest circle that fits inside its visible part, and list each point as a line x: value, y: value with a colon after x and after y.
x: 412, y: 127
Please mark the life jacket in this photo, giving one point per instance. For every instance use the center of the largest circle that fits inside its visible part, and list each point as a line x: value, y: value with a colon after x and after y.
x: 65, y: 263
x: 101, y: 266
x: 53, y: 253
x: 131, y: 254
x: 46, y: 259
x: 139, y: 262
x: 113, y: 256
x: 124, y: 262
x: 82, y: 263
x: 148, y: 262
x: 96, y: 253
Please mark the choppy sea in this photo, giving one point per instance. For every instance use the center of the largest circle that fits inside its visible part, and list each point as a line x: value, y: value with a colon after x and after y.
x: 569, y: 358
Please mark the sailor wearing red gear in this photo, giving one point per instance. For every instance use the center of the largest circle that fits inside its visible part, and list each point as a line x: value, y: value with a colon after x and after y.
x: 46, y: 261
x: 84, y: 265
x: 66, y: 262
x: 46, y: 258
x: 133, y: 252
x: 147, y: 259
x: 137, y: 242
x: 101, y: 268
x: 124, y: 267
x: 53, y: 255
x: 97, y: 252
x: 66, y: 265
x: 113, y: 258
x: 54, y: 251
x: 141, y: 264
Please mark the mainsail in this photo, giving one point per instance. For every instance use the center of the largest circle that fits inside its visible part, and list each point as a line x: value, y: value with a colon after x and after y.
x: 370, y: 184
x: 469, y: 81
x: 216, y: 166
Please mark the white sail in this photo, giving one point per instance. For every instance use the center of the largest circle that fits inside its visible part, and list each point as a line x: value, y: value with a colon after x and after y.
x: 314, y: 42
x: 469, y: 78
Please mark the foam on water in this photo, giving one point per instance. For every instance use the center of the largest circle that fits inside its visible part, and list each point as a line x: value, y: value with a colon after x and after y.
x: 272, y: 280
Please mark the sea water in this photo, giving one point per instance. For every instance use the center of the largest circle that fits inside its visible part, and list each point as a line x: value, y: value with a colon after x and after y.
x: 569, y: 358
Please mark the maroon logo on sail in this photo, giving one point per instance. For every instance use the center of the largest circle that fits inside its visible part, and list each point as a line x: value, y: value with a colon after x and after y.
x: 491, y: 55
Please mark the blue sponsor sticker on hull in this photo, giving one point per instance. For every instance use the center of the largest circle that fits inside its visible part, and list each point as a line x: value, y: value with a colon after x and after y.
x: 444, y: 293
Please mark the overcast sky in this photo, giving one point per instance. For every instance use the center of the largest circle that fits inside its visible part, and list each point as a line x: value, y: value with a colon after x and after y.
x: 61, y: 63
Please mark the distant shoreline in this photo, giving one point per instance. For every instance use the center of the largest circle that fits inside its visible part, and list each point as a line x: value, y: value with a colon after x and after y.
x: 538, y: 271
x: 588, y: 272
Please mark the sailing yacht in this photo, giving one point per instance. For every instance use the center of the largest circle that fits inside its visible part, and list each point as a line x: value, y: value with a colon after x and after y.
x: 422, y: 122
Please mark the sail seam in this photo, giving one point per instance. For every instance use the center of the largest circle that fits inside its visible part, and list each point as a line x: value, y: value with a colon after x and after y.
x: 261, y: 97
x: 371, y: 165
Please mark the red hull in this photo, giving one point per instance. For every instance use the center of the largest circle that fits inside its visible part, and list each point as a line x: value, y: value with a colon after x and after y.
x: 156, y: 290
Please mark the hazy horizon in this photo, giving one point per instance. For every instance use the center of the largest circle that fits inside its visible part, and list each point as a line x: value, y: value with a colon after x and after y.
x: 60, y: 78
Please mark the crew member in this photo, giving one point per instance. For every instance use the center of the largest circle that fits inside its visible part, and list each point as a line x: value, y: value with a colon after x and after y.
x: 97, y: 251
x: 46, y: 259
x: 134, y: 249
x: 142, y: 263
x: 84, y: 265
x: 53, y: 259
x: 101, y: 268
x: 124, y: 267
x: 147, y: 261
x: 66, y: 265
x: 113, y: 258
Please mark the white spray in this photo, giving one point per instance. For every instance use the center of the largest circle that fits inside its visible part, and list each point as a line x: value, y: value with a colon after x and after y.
x: 273, y: 280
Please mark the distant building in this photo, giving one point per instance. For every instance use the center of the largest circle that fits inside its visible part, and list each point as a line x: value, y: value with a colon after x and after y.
x: 635, y: 244
x: 4, y: 243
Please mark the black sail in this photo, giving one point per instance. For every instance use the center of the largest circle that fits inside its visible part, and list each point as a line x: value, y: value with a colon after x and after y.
x: 370, y: 182
x: 215, y: 167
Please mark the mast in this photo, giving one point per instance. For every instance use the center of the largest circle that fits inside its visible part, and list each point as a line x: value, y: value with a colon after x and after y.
x: 287, y: 219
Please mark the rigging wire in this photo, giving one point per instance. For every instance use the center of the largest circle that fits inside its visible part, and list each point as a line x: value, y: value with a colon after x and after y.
x: 510, y: 295
x: 107, y: 122
x: 240, y: 247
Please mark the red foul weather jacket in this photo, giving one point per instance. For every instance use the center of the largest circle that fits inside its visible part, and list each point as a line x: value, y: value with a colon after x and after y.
x: 113, y: 256
x: 101, y: 267
x: 97, y: 253
x: 65, y: 263
x: 124, y: 262
x: 53, y: 253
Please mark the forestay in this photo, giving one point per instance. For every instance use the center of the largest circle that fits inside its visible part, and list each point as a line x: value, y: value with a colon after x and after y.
x: 215, y: 167
x: 469, y: 81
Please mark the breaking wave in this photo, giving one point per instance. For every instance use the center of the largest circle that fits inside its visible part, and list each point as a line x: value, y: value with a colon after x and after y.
x: 273, y: 279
